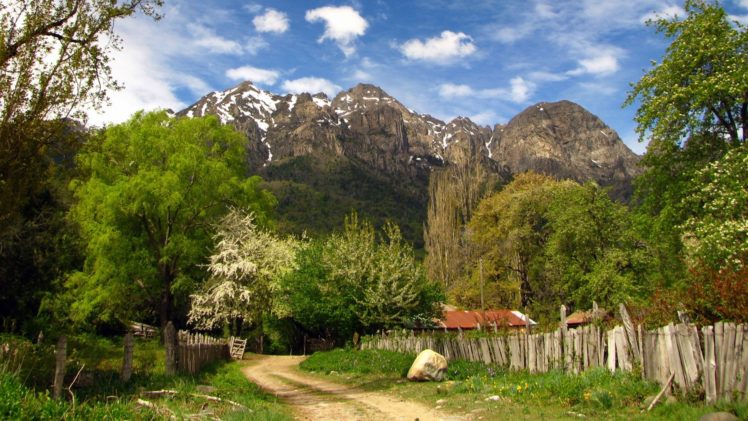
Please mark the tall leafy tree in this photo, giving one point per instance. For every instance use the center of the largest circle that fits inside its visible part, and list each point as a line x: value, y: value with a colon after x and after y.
x: 717, y: 232
x: 154, y: 187
x: 54, y: 63
x: 245, y: 270
x: 54, y: 57
x: 693, y: 108
x: 359, y: 280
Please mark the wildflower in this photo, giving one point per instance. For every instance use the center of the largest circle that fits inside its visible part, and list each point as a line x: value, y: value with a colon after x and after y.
x: 519, y: 388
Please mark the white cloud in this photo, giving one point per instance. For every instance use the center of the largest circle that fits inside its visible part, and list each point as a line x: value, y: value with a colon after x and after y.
x: 542, y: 76
x: 271, y: 21
x: 444, y: 49
x: 601, y: 65
x: 449, y: 90
x: 311, y: 85
x: 149, y: 82
x: 342, y: 25
x: 206, y: 38
x: 667, y: 12
x: 254, y: 44
x: 485, y: 118
x: 518, y: 91
x: 254, y: 74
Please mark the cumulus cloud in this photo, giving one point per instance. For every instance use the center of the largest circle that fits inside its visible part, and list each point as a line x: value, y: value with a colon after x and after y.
x: 601, y: 65
x: 667, y: 12
x: 444, y: 49
x: 271, y: 21
x: 450, y: 90
x: 485, y: 118
x: 311, y: 85
x: 342, y: 25
x: 518, y: 91
x: 207, y: 38
x: 254, y: 74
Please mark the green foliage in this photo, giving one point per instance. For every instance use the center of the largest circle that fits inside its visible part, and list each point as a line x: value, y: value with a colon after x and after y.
x: 367, y: 361
x: 317, y: 192
x: 153, y: 187
x: 354, y: 280
x: 315, y: 302
x: 546, y: 242
x: 54, y: 64
x: 244, y: 268
x: 717, y: 232
x: 693, y: 109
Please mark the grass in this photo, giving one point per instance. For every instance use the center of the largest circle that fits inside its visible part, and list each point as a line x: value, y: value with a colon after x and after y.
x: 26, y: 371
x: 493, y: 392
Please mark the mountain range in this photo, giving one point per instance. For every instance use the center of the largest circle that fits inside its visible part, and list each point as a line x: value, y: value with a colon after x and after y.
x: 365, y: 151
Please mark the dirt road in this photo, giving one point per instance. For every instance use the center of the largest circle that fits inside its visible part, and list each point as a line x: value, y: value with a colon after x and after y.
x: 315, y: 399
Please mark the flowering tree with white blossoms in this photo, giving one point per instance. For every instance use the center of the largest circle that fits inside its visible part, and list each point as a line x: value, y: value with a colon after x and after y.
x: 244, y: 269
x: 717, y: 234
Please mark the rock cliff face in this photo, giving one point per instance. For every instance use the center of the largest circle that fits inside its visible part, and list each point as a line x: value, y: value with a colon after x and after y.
x: 363, y: 150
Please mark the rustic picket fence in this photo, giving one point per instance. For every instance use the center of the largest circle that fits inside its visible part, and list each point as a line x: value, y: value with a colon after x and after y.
x: 715, y: 362
x: 194, y: 350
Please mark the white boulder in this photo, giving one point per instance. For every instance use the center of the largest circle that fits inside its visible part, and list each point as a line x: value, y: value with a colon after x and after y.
x: 428, y: 366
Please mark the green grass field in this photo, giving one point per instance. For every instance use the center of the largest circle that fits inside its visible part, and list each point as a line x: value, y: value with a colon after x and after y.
x: 25, y: 376
x: 495, y: 393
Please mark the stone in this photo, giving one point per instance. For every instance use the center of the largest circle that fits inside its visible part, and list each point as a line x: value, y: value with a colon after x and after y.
x: 428, y: 366
x: 718, y: 416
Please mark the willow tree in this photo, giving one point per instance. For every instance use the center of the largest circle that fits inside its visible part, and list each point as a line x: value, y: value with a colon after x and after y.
x: 154, y: 186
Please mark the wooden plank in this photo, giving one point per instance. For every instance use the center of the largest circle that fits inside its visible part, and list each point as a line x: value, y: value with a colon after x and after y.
x: 674, y: 356
x: 687, y: 345
x: 622, y: 352
x: 719, y: 335
x: 630, y: 330
x: 710, y: 366
x: 730, y: 366
x: 743, y: 370
x: 611, y: 349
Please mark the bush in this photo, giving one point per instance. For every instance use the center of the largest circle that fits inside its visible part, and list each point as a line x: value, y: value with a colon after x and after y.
x: 366, y: 361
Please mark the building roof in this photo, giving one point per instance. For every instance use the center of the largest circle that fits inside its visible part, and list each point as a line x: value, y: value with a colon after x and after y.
x: 473, y: 319
x: 581, y: 317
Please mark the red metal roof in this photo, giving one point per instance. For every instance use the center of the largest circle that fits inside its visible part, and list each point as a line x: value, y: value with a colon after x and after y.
x: 471, y: 319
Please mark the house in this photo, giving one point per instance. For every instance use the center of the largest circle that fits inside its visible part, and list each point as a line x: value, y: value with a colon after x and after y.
x: 581, y: 317
x: 476, y: 319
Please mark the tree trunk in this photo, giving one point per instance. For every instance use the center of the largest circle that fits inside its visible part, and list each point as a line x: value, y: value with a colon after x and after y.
x: 167, y: 299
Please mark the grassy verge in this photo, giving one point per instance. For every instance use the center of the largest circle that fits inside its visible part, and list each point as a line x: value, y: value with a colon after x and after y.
x: 490, y: 392
x: 98, y: 393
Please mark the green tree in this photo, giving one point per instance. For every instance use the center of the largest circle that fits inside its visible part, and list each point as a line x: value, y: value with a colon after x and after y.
x: 154, y: 187
x: 693, y: 109
x: 545, y: 242
x: 592, y: 252
x: 509, y: 229
x: 54, y: 63
x: 717, y: 232
x: 358, y: 280
x: 245, y: 269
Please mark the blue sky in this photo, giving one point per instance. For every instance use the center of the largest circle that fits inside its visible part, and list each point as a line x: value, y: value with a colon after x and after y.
x: 487, y: 60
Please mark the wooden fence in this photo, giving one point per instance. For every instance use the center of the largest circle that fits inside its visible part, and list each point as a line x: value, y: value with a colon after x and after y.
x: 714, y: 362
x: 194, y: 350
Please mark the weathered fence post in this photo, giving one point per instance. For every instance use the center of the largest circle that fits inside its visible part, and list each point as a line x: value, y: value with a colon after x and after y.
x: 628, y: 325
x: 60, y: 357
x: 170, y: 343
x: 127, y: 360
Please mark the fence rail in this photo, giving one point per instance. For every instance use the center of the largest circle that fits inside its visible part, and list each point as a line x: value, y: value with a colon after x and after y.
x: 194, y: 350
x: 713, y: 360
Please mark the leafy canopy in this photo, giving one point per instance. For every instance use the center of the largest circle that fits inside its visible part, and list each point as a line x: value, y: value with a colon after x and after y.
x: 545, y: 242
x: 356, y: 279
x: 54, y: 64
x: 693, y: 108
x: 244, y: 268
x: 154, y: 187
